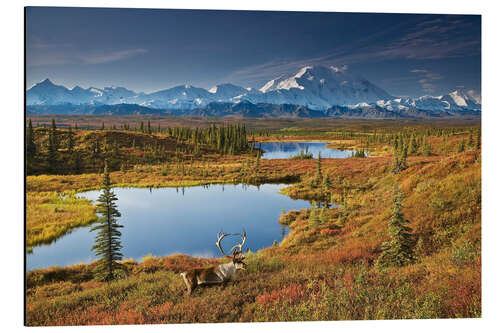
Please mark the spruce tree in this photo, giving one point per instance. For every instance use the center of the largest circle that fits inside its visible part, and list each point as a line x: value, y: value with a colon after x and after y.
x: 257, y: 162
x: 30, y: 141
x: 71, y: 141
x: 324, y: 216
x: 398, y: 251
x: 52, y: 151
x: 395, y: 165
x: 313, y: 215
x: 427, y: 149
x: 319, y: 175
x: 30, y: 147
x: 326, y: 182
x: 402, y: 162
x: 77, y: 162
x: 107, y: 242
x: 461, y: 146
x: 53, y: 135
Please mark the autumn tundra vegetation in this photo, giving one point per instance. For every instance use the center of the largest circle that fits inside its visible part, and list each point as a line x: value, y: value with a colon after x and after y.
x: 392, y: 232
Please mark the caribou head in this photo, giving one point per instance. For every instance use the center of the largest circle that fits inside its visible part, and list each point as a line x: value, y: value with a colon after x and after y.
x: 220, y: 274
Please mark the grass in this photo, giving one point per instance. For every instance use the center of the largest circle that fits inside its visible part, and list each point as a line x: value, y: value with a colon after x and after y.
x: 49, y: 215
x: 322, y: 271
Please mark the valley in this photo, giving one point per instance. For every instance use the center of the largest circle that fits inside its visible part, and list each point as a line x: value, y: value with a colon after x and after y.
x: 334, y: 211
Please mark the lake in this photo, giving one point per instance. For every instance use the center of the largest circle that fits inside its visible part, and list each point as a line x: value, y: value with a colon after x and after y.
x: 279, y: 150
x: 166, y: 221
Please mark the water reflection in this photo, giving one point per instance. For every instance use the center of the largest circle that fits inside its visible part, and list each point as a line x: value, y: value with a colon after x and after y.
x: 280, y: 150
x: 165, y: 221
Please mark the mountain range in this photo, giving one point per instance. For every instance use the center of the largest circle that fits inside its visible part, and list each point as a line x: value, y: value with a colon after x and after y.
x: 314, y: 91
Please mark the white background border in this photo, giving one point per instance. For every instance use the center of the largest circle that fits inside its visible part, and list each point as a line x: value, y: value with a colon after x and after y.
x: 11, y: 88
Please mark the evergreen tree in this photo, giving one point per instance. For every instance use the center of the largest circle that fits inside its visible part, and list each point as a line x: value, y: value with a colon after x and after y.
x: 461, y: 146
x: 313, y: 215
x: 398, y: 251
x: 71, y: 141
x: 77, y: 162
x: 402, y: 163
x: 395, y: 165
x: 323, y: 217
x: 326, y: 182
x: 52, y: 151
x: 470, y: 143
x: 345, y: 204
x: 478, y: 140
x: 30, y: 147
x: 53, y: 135
x: 30, y: 141
x: 427, y: 149
x: 149, y: 127
x: 257, y: 162
x: 107, y: 242
x: 102, y: 126
x: 319, y: 175
x: 413, y: 145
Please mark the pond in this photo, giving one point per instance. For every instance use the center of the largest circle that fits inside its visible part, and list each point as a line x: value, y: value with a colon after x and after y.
x: 166, y: 221
x: 279, y: 150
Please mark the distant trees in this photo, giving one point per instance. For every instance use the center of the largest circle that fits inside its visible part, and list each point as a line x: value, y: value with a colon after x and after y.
x: 52, y: 149
x: 107, y: 242
x: 398, y: 251
x: 70, y: 141
x: 31, y: 148
x: 30, y: 142
x: 229, y: 139
x: 359, y: 153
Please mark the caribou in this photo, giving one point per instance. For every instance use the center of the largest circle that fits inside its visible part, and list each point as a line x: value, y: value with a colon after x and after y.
x: 220, y: 274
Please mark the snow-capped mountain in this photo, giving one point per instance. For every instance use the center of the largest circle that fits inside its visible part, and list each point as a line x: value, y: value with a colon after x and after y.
x: 48, y: 93
x: 455, y: 101
x: 320, y: 87
x: 317, y: 88
x: 227, y: 91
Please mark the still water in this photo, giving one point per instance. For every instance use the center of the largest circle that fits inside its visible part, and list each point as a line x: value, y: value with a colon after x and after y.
x: 166, y: 221
x: 274, y: 150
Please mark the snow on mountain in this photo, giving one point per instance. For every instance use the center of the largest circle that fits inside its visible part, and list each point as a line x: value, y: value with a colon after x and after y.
x: 47, y: 92
x: 320, y: 87
x: 314, y: 87
x: 179, y: 97
x: 455, y: 101
x: 227, y: 91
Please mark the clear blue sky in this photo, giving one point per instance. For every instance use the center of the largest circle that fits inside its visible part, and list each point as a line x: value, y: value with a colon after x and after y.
x: 153, y: 49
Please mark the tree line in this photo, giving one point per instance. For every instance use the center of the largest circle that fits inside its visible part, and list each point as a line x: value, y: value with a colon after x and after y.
x: 71, y: 151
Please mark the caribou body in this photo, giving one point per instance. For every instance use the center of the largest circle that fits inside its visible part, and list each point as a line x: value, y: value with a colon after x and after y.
x: 220, y: 274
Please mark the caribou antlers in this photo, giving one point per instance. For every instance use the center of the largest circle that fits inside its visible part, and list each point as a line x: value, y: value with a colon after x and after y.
x: 237, y: 249
x: 240, y: 245
x: 221, y: 235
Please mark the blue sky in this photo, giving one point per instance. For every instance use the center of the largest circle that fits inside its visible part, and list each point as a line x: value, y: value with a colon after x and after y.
x: 148, y: 50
